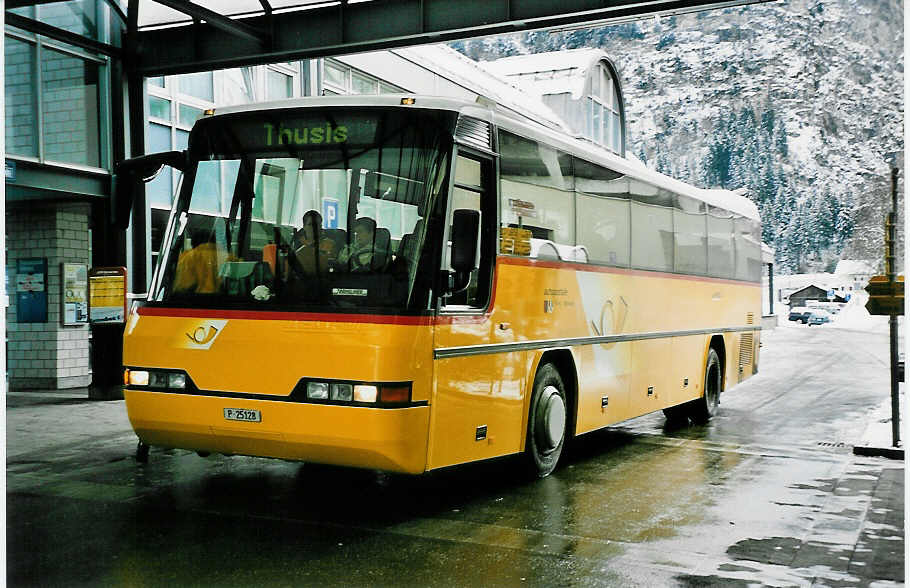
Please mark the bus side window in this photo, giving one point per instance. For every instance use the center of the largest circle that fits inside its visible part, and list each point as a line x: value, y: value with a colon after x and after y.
x: 470, y: 193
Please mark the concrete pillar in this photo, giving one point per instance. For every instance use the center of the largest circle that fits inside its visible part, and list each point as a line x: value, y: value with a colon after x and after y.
x: 47, y: 355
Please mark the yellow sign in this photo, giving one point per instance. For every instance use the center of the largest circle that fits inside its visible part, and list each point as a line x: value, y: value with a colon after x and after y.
x: 885, y: 298
x: 515, y: 241
x: 107, y: 295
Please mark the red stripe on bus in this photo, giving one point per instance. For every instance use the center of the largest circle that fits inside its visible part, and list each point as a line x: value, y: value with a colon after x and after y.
x: 271, y: 315
x: 383, y: 319
x: 583, y: 267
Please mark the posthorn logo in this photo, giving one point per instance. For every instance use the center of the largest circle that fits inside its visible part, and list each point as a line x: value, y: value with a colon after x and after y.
x: 202, y: 336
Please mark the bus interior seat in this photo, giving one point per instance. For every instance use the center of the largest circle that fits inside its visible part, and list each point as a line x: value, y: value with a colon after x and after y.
x: 382, y: 244
x: 337, y: 236
x: 406, y: 242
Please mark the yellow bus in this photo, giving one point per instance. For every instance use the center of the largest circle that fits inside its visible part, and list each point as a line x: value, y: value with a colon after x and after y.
x: 411, y: 283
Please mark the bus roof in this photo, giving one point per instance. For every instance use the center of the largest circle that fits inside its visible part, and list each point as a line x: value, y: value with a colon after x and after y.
x: 502, y: 118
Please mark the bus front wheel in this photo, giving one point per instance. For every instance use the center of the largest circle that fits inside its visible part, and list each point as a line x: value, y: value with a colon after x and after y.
x: 706, y: 407
x: 547, y: 417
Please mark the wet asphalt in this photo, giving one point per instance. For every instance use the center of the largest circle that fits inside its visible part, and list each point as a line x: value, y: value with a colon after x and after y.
x: 768, y: 493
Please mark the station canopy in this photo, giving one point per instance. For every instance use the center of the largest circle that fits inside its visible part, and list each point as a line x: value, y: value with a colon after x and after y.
x: 179, y: 36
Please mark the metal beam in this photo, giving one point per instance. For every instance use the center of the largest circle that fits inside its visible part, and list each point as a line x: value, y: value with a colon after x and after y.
x: 219, y: 22
x: 345, y: 27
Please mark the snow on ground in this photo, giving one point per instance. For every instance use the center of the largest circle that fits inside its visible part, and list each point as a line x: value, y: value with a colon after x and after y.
x: 853, y: 316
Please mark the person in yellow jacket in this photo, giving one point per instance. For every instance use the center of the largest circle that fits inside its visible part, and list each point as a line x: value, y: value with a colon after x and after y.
x: 197, y: 269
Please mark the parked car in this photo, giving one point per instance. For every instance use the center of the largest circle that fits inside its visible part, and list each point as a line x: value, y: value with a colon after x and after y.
x: 800, y: 314
x: 819, y: 317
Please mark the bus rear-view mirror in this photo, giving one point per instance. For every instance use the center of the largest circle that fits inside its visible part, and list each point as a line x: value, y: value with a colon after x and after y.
x: 129, y: 176
x: 465, y: 232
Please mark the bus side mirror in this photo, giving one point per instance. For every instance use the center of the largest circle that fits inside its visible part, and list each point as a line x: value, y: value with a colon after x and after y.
x: 465, y: 230
x: 129, y: 175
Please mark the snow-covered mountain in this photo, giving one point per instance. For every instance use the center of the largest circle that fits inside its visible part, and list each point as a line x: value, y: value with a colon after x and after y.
x: 800, y: 102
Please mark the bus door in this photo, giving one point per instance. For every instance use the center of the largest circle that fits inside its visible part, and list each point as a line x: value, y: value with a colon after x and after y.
x: 476, y: 408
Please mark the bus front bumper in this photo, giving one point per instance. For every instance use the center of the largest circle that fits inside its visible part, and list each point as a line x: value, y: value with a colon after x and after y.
x: 391, y: 439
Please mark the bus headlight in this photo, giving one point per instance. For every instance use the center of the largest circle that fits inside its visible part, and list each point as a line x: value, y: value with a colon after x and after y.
x: 158, y: 379
x: 137, y: 377
x: 343, y: 392
x: 317, y: 390
x: 155, y: 379
x: 365, y: 393
x: 340, y: 392
x: 176, y: 380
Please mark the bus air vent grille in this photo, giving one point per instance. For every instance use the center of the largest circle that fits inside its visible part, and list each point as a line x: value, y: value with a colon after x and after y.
x: 474, y: 132
x: 750, y: 318
x: 745, y: 350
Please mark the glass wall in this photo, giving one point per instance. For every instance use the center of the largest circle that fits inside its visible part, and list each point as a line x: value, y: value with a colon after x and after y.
x: 21, y: 92
x: 70, y: 86
x: 340, y: 78
x: 70, y: 99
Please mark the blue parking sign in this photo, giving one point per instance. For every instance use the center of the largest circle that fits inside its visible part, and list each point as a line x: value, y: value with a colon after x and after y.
x: 329, y: 213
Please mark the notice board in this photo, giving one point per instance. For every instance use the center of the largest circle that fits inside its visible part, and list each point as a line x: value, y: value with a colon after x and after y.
x: 31, y: 290
x: 107, y: 295
x: 74, y: 296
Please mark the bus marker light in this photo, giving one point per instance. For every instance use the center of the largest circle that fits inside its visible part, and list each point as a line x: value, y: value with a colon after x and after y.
x: 126, y: 377
x: 408, y: 101
x: 394, y: 394
x: 365, y: 393
x: 343, y: 392
x: 139, y: 378
x: 175, y: 380
x: 317, y: 390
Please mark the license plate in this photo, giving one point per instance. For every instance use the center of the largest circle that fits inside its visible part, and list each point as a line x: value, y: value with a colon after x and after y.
x: 243, y: 414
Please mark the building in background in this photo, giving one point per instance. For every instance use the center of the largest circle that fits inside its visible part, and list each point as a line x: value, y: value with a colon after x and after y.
x: 60, y: 145
x: 581, y: 86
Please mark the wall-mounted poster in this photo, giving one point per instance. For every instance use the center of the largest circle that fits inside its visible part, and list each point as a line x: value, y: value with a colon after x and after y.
x: 107, y: 295
x: 31, y: 290
x: 74, y: 294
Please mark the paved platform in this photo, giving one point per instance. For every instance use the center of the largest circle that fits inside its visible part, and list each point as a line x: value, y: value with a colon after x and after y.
x: 61, y: 424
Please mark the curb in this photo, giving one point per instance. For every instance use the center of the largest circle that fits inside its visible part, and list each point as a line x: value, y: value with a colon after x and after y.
x: 877, y: 441
x: 889, y: 452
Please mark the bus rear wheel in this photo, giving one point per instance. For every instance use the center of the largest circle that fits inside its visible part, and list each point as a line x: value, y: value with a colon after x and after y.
x: 706, y: 407
x: 547, y: 417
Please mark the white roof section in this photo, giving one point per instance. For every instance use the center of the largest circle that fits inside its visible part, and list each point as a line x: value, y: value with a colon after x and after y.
x: 555, y: 72
x: 468, y: 73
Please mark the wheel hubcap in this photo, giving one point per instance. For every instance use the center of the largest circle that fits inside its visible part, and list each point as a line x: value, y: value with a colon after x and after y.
x: 552, y: 413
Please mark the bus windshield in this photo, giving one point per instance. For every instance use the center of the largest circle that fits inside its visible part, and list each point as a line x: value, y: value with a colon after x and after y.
x: 312, y: 209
